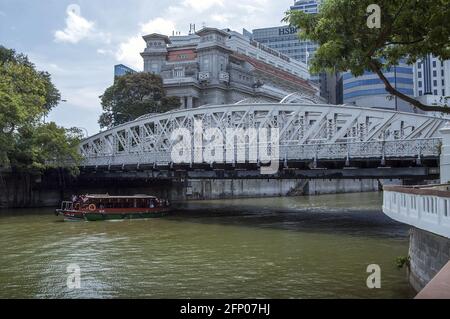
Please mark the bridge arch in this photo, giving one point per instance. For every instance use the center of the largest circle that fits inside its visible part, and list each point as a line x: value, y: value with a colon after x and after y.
x: 306, y: 131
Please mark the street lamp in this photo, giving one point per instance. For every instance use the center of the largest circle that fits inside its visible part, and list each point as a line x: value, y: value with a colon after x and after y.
x: 85, y: 130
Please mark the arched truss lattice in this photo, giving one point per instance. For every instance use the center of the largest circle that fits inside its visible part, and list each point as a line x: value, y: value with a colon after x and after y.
x: 307, y: 131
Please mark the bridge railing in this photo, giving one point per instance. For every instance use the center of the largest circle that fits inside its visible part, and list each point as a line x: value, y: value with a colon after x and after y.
x: 365, y: 150
x: 290, y: 151
x: 425, y: 208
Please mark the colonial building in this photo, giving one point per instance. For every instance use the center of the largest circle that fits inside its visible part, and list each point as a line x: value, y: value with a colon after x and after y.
x: 223, y: 67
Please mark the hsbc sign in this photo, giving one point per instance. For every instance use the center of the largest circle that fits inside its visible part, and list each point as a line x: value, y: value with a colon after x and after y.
x: 287, y: 30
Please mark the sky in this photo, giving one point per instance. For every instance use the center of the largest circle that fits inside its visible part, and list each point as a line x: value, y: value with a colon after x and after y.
x: 79, y: 42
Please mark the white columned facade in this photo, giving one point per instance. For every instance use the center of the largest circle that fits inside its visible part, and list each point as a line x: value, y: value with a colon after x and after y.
x: 190, y: 102
x: 182, y: 101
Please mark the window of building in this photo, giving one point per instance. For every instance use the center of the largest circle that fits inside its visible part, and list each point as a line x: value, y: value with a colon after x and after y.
x: 206, y: 64
x: 178, y: 73
x: 420, y: 84
x: 434, y: 64
x: 420, y: 93
x: 420, y: 74
x: 435, y: 73
x: 222, y: 64
x: 435, y: 92
x: 435, y: 82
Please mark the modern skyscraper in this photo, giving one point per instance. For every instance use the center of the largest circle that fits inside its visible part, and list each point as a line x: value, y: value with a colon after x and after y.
x: 121, y: 69
x: 307, y: 6
x: 285, y: 40
x: 431, y: 80
x: 369, y: 91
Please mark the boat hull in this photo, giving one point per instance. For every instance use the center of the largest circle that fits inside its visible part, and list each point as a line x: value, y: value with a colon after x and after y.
x: 102, y: 216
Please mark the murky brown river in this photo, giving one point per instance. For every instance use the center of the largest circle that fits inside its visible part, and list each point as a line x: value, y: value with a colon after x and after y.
x: 300, y: 247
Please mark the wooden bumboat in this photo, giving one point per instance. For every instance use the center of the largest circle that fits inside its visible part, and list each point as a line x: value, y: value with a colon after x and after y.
x: 107, y: 207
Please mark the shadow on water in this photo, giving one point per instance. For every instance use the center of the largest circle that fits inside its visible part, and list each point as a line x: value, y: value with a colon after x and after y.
x: 358, y: 214
x: 362, y: 217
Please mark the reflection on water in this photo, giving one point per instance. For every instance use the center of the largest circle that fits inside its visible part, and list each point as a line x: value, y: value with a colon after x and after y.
x: 302, y: 247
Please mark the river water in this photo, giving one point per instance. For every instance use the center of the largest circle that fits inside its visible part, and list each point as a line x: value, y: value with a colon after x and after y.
x: 297, y: 247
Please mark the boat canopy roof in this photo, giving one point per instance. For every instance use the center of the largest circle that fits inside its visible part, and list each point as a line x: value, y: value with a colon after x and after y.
x: 107, y: 196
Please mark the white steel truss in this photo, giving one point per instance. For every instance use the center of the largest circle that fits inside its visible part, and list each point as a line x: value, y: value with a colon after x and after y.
x: 307, y: 132
x: 299, y: 97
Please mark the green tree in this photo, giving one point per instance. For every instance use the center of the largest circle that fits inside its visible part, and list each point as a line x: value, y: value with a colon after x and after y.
x: 410, y: 29
x: 134, y: 95
x: 26, y: 95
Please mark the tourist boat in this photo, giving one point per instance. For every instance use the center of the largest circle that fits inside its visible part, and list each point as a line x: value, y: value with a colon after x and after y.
x: 107, y: 207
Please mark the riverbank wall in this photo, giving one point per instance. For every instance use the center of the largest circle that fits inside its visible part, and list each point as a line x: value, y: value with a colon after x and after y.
x: 428, y: 253
x: 247, y: 188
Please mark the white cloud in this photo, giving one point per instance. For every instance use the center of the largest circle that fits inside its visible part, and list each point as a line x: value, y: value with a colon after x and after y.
x: 221, y: 18
x: 201, y: 5
x: 158, y: 25
x: 44, y: 64
x: 78, y: 28
x: 129, y: 52
x: 106, y: 52
x: 83, y: 97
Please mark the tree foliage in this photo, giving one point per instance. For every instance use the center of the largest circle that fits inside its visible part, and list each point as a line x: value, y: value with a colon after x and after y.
x: 26, y: 95
x: 410, y: 29
x: 134, y: 95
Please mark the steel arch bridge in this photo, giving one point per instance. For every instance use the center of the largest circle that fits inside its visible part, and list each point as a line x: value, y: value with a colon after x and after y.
x: 307, y: 131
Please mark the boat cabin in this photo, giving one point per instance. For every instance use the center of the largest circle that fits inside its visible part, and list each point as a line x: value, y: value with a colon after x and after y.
x: 93, y: 202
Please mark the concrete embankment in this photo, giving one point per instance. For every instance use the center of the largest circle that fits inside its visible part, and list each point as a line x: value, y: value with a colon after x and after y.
x: 241, y: 188
x: 428, y: 254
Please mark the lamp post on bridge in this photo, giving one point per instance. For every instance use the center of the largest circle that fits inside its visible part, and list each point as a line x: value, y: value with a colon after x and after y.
x: 85, y: 130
